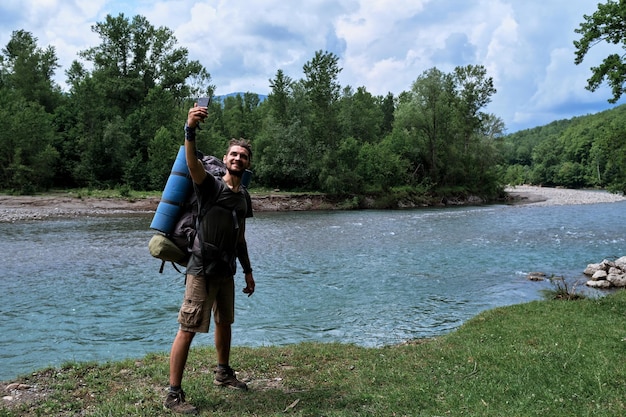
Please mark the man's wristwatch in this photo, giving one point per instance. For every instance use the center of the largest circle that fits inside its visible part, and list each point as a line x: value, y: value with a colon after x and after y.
x: 190, y: 133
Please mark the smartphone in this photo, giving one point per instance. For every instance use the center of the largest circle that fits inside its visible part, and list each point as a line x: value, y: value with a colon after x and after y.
x: 204, y: 101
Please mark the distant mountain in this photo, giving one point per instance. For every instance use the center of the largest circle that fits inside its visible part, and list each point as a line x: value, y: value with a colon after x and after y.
x: 221, y: 98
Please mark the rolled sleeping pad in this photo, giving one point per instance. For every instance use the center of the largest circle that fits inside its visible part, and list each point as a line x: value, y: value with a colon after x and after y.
x: 175, y: 194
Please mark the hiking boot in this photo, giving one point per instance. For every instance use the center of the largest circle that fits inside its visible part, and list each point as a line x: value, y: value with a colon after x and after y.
x: 175, y: 401
x: 225, y: 377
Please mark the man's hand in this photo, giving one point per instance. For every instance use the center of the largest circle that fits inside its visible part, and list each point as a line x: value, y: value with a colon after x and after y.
x: 196, y: 115
x: 249, y: 284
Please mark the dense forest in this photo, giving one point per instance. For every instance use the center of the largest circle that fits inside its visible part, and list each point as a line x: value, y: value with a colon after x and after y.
x: 582, y: 152
x: 120, y: 123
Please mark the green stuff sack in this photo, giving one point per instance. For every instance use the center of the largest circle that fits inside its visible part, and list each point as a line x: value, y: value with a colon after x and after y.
x: 162, y: 248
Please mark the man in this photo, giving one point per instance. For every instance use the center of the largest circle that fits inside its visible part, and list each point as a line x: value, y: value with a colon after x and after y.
x: 209, y: 284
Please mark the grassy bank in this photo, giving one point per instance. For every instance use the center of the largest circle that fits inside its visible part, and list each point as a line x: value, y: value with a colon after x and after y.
x: 544, y: 358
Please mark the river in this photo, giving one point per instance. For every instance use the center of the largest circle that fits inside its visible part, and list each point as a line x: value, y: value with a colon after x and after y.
x: 86, y: 289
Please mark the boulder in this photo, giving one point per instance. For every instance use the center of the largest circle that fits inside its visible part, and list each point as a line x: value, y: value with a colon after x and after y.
x: 599, y: 275
x: 607, y: 274
x: 592, y: 269
x: 618, y: 280
x: 599, y: 284
x: 606, y: 264
x: 536, y: 276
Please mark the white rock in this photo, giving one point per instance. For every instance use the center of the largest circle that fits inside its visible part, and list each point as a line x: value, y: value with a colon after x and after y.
x: 618, y: 280
x: 599, y: 275
x: 592, y: 269
x: 536, y: 276
x: 17, y: 386
x: 599, y: 284
x: 606, y: 264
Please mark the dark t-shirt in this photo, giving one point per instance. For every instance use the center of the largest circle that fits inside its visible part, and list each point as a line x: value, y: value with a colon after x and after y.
x: 221, y: 226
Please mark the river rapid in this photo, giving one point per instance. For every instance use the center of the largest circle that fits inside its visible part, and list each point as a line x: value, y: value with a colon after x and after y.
x: 86, y: 288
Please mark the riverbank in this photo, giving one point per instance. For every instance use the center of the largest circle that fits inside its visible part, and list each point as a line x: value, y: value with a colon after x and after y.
x: 545, y: 196
x: 545, y: 358
x: 20, y: 208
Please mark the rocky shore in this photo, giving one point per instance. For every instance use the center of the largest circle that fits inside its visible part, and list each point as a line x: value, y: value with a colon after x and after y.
x: 607, y: 274
x: 19, y: 208
x: 545, y: 196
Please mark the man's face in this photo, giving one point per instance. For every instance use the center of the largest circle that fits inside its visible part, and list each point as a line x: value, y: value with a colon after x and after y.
x: 237, y: 160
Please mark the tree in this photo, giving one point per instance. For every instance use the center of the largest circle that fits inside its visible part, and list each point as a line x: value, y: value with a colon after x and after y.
x: 28, y: 70
x: 607, y: 24
x: 134, y: 57
x: 379, y: 165
x: 104, y: 159
x: 440, y: 128
x: 138, y: 86
x: 279, y: 97
x: 282, y: 158
x: 27, y: 156
x: 388, y: 107
x: 474, y: 91
x: 240, y: 117
x: 284, y: 151
x: 339, y: 173
x: 426, y: 113
x: 608, y: 152
x: 322, y: 89
x: 162, y: 150
x: 360, y: 116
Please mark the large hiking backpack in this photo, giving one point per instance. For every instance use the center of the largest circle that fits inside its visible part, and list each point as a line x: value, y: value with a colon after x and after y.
x: 175, y: 247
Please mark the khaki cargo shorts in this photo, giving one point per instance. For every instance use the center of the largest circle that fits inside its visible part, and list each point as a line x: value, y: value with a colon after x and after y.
x: 200, y: 299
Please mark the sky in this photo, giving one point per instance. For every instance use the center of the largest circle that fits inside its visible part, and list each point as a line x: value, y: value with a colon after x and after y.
x: 526, y: 46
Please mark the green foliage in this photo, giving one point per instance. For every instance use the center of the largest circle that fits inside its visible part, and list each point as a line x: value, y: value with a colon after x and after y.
x: 380, y: 166
x: 583, y: 152
x: 104, y: 156
x: 607, y: 24
x: 162, y: 150
x: 322, y: 93
x: 120, y: 124
x: 443, y: 134
x: 339, y: 174
x: 28, y: 70
x: 281, y: 157
x: 135, y: 57
x: 360, y: 115
x: 279, y: 98
x: 516, y: 175
x: 135, y: 174
x: 563, y: 290
x: 27, y: 157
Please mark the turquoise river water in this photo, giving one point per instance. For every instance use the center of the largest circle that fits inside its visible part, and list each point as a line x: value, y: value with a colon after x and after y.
x: 86, y: 289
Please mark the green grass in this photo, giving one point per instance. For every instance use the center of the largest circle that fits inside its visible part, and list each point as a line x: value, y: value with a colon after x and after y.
x: 120, y: 192
x: 544, y: 358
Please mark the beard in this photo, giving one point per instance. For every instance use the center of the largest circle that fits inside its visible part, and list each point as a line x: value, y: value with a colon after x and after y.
x: 235, y: 173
